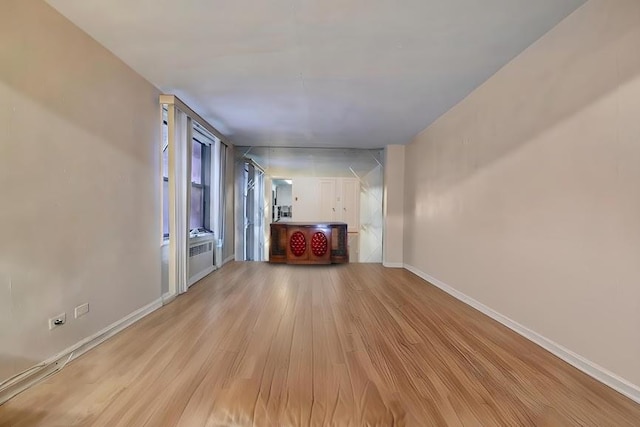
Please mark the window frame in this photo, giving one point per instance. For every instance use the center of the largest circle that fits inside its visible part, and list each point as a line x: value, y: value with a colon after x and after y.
x: 208, y: 142
x: 165, y: 178
x: 204, y: 165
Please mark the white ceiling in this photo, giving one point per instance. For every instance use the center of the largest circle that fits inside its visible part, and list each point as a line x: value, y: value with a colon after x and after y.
x: 317, y: 73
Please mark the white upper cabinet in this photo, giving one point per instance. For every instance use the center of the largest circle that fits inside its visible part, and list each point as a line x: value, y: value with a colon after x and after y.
x: 327, y: 200
x: 349, y: 203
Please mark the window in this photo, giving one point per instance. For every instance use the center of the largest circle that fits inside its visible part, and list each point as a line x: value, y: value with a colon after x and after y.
x: 197, y: 218
x: 200, y: 179
x: 165, y: 174
x: 201, y: 146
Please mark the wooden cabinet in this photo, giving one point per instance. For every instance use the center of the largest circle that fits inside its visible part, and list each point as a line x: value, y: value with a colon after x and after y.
x: 309, y: 243
x: 278, y: 243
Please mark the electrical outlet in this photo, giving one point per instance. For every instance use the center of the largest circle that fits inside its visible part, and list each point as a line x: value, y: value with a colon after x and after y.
x: 81, y: 310
x: 59, y: 320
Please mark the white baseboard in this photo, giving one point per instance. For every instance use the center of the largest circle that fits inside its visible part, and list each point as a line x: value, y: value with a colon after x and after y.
x: 202, y: 275
x: 167, y: 298
x: 59, y: 361
x: 229, y: 259
x: 601, y: 374
x: 393, y: 264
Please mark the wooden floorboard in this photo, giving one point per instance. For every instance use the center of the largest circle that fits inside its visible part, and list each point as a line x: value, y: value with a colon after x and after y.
x: 347, y: 345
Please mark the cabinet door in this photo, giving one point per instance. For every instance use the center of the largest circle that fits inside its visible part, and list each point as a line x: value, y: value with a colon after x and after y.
x: 351, y: 204
x: 319, y: 245
x: 278, y: 243
x: 327, y: 209
x: 297, y: 245
x: 305, y: 202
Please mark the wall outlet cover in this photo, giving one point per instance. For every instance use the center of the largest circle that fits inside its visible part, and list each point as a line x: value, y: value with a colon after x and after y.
x: 81, y: 310
x: 57, y: 321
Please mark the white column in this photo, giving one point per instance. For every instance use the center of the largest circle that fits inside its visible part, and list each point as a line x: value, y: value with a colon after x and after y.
x: 393, y: 239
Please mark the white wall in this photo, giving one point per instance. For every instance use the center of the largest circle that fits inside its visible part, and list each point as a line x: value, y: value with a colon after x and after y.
x: 394, y: 205
x: 306, y: 199
x: 371, y: 216
x: 79, y: 184
x: 526, y: 195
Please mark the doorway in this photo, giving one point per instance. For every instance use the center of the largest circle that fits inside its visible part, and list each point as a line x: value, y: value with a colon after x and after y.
x: 281, y: 200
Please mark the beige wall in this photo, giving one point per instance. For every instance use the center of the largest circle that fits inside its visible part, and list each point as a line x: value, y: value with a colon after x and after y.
x: 79, y: 185
x: 394, y: 164
x: 526, y: 195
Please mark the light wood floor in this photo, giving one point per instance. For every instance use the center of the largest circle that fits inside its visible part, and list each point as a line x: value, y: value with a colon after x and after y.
x: 258, y: 344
